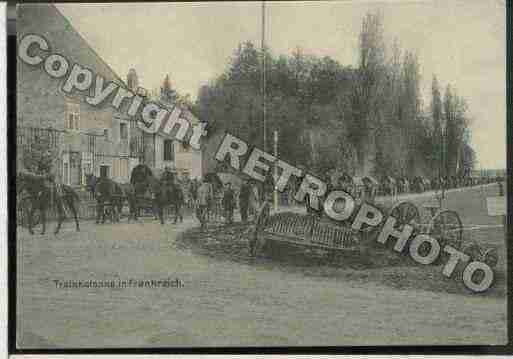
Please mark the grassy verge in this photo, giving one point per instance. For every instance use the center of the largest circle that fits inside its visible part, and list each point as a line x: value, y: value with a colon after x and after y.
x: 374, y: 263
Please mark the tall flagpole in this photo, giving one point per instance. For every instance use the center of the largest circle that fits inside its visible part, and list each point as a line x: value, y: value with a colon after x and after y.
x: 263, y: 78
x: 275, y: 171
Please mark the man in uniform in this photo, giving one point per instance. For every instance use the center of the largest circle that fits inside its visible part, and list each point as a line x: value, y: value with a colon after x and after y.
x: 102, y: 193
x: 205, y: 195
x: 178, y: 201
x: 244, y: 198
x: 168, y: 176
x: 260, y: 221
x: 229, y: 203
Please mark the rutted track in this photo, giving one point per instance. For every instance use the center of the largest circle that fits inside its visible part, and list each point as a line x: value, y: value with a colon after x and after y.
x: 227, y: 302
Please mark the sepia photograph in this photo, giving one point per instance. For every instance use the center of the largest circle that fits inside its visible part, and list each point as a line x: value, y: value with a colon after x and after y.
x: 260, y: 174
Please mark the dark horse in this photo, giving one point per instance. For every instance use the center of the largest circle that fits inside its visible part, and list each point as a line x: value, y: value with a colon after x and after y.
x: 168, y: 193
x: 106, y: 190
x: 142, y: 182
x: 43, y: 193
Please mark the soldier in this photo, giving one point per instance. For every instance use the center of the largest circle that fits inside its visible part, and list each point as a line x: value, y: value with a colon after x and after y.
x: 168, y: 176
x: 244, y: 198
x: 193, y: 190
x: 229, y: 203
x: 167, y: 180
x: 255, y: 198
x: 205, y: 194
x: 260, y: 221
x: 178, y: 201
x: 102, y: 194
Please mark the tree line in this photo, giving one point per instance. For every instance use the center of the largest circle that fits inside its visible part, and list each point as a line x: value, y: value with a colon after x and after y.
x: 365, y: 119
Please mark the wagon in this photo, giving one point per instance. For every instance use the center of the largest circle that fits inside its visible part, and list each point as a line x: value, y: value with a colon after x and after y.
x: 146, y: 203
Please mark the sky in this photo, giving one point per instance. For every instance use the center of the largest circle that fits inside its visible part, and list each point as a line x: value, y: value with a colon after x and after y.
x: 463, y: 43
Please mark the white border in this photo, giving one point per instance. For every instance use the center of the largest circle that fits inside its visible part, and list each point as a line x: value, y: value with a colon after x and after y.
x: 274, y: 356
x: 3, y: 179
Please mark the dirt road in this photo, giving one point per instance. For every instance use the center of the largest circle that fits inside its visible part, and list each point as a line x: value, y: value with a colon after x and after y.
x: 224, y: 303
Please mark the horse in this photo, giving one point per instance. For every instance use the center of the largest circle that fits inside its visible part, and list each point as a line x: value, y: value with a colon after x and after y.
x: 142, y: 184
x: 166, y: 192
x: 116, y: 193
x: 43, y: 193
x: 106, y: 190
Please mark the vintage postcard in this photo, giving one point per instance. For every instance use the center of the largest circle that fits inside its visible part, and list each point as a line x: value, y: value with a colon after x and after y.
x: 260, y: 174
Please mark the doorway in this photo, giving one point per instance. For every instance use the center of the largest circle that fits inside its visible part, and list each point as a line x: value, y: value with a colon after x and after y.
x: 104, y: 171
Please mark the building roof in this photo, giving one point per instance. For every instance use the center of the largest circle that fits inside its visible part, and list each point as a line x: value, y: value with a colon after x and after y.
x: 46, y: 20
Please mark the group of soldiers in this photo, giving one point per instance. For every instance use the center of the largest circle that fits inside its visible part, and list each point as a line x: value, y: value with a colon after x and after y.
x: 246, y: 198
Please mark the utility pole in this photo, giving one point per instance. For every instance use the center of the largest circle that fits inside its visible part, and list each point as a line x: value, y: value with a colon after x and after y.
x: 442, y: 163
x: 263, y: 79
x: 275, y: 170
x: 262, y: 90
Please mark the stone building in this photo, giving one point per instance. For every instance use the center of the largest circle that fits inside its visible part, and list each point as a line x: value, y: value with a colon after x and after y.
x: 86, y: 139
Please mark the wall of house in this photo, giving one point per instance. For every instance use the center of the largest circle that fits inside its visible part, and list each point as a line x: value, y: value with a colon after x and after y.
x: 186, y: 161
x: 41, y: 103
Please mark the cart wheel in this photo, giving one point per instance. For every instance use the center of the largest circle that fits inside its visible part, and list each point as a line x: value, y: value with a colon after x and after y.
x: 405, y: 213
x: 471, y: 249
x: 490, y: 257
x: 447, y: 228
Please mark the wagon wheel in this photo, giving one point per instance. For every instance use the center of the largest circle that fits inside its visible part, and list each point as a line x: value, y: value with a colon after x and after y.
x: 405, y: 213
x: 490, y: 256
x: 472, y: 249
x: 447, y: 228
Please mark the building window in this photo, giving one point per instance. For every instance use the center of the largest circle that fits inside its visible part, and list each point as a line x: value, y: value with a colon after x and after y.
x: 86, y: 170
x: 75, y: 168
x: 106, y: 134
x: 90, y: 143
x: 169, y: 153
x: 72, y: 119
x: 123, y: 131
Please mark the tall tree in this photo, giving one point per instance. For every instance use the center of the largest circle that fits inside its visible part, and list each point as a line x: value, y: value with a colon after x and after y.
x: 368, y: 91
x: 366, y: 119
x: 167, y: 94
x: 455, y: 113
